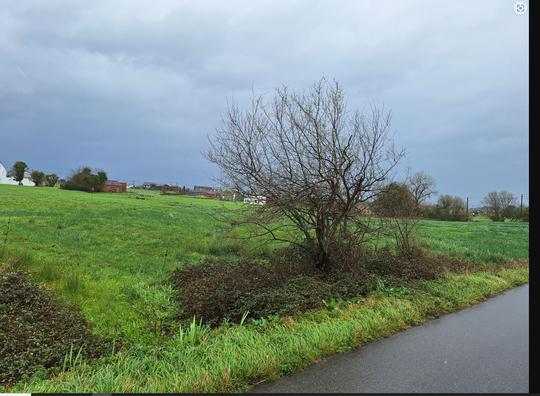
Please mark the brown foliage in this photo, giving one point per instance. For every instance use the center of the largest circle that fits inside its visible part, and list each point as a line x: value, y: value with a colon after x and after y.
x: 215, y: 291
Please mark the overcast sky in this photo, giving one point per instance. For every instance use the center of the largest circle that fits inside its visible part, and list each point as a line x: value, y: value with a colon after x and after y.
x: 135, y: 87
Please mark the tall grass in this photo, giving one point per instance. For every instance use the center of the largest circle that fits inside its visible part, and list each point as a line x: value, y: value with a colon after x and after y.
x: 192, y: 334
x: 5, y: 239
x: 234, y: 358
x: 73, y: 282
x: 48, y: 272
x: 71, y: 361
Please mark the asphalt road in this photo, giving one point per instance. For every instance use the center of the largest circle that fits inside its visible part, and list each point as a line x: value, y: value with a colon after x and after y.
x: 484, y: 348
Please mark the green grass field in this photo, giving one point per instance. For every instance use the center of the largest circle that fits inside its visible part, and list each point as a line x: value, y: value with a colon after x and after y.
x: 110, y: 254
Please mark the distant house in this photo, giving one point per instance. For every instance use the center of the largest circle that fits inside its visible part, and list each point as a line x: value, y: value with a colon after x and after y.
x: 150, y: 186
x: 255, y: 200
x: 205, y: 189
x: 229, y: 195
x: 8, y: 179
x: 157, y: 186
x: 114, y: 186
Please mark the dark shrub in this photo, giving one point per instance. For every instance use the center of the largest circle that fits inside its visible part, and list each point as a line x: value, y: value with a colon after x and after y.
x: 345, y: 256
x: 525, y: 214
x: 384, y: 263
x: 84, y: 180
x: 219, y: 290
x: 51, y: 179
x: 36, y: 331
x: 516, y: 213
x: 297, y: 294
x: 38, y: 177
x: 396, y: 270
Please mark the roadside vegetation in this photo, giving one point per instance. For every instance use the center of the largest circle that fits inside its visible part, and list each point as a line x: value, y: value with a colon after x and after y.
x: 38, y: 333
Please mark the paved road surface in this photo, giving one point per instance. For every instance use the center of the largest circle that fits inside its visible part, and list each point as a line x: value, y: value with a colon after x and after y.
x: 484, y: 348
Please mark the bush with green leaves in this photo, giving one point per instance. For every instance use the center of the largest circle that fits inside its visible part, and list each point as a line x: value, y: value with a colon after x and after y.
x: 51, y: 179
x: 85, y: 180
x: 38, y: 177
x: 17, y: 171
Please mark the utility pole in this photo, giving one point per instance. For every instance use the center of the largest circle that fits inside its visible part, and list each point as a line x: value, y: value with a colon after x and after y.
x: 467, y: 208
x: 521, y: 207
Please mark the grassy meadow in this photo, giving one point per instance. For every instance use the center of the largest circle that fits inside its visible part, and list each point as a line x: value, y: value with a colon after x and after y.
x: 111, y: 255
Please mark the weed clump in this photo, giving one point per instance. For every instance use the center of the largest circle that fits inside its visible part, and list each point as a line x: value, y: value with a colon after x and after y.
x: 37, y: 332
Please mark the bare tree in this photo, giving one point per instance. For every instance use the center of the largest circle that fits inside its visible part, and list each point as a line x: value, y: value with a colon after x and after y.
x: 421, y: 186
x: 316, y: 163
x: 497, y: 202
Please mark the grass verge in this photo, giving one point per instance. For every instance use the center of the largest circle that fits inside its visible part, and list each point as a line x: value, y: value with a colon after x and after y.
x: 233, y: 358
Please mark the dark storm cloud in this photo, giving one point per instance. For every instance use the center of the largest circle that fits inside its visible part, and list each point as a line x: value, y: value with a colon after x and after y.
x: 134, y: 87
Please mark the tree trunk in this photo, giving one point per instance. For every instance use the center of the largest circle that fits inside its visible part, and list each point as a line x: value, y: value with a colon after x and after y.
x: 322, y: 259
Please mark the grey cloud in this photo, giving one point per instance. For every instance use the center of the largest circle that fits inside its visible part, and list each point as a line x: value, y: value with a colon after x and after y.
x: 134, y: 87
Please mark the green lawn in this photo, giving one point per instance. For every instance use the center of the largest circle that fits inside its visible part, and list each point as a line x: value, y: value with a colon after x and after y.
x: 485, y: 241
x: 110, y: 254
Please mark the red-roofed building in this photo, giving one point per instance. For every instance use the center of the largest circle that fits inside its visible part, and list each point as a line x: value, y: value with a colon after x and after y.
x: 114, y: 186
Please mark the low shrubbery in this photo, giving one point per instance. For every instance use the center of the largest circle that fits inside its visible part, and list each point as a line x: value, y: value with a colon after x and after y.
x: 514, y: 213
x: 287, y: 284
x: 37, y: 332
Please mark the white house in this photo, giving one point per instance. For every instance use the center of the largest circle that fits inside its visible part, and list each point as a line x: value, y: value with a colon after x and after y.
x: 4, y: 179
x: 258, y: 200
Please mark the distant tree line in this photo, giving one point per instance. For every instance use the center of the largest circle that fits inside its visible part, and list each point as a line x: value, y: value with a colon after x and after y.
x: 409, y: 199
x: 84, y: 179
x: 448, y: 207
x: 502, y: 205
x: 397, y: 200
x: 39, y: 178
